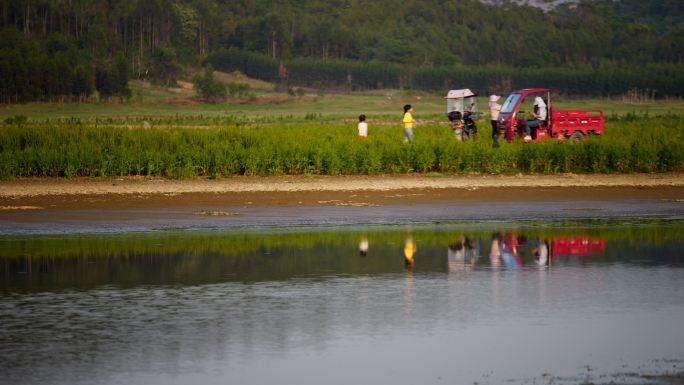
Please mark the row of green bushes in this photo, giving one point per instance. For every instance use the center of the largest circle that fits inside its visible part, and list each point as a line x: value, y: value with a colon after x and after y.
x: 660, y: 79
x: 68, y: 150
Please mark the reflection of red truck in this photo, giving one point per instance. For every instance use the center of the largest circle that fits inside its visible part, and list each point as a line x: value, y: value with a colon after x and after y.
x: 577, y: 246
x: 560, y: 124
x: 514, y: 247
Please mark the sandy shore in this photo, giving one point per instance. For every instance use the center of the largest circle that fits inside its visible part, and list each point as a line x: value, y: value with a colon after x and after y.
x: 137, y: 185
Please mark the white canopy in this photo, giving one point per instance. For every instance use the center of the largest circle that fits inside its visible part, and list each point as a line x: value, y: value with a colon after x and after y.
x: 455, y: 94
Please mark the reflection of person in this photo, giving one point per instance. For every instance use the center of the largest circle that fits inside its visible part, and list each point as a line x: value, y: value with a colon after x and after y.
x: 461, y: 255
x: 541, y: 254
x: 495, y: 251
x: 408, y: 123
x: 363, y: 127
x: 509, y: 251
x: 494, y: 109
x: 363, y: 247
x: 409, y: 251
x: 539, y: 116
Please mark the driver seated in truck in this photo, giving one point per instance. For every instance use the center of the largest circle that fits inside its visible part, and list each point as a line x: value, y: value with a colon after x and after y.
x: 538, y: 117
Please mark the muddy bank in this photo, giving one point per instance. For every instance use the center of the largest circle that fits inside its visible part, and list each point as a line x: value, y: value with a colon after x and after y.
x: 134, y: 204
x: 140, y: 185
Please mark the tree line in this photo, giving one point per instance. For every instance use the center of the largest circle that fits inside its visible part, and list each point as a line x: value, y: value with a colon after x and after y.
x: 56, y: 69
x: 156, y: 39
x: 605, y: 79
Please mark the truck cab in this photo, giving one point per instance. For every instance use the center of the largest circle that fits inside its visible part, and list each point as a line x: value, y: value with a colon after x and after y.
x: 559, y: 124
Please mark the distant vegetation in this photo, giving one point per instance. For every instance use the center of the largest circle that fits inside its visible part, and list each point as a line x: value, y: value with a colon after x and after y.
x: 71, y: 50
x: 604, y: 79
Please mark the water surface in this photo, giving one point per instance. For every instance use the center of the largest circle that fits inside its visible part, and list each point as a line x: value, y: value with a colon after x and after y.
x: 453, y: 303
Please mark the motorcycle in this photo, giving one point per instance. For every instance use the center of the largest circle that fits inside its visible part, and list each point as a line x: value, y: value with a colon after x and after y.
x: 462, y: 112
x: 463, y: 125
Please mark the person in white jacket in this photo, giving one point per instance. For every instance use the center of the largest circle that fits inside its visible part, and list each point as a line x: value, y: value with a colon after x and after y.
x: 538, y: 117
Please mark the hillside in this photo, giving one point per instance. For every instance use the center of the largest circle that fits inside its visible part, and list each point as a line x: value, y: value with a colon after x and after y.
x: 96, y: 45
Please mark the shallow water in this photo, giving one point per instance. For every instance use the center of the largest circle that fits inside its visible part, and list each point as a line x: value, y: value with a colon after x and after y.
x: 456, y: 303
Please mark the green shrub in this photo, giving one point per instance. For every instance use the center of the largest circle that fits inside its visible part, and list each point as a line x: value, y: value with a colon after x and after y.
x: 208, y: 87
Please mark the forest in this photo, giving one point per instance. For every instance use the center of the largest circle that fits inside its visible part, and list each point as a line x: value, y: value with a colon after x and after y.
x: 70, y: 49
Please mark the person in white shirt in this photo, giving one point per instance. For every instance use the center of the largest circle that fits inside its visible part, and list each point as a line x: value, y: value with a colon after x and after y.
x: 363, y: 127
x: 539, y: 116
x: 494, y: 109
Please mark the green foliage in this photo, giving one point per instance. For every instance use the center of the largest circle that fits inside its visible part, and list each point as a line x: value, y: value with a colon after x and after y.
x: 658, y: 79
x: 208, y: 87
x: 17, y: 120
x: 299, y: 92
x: 419, y: 33
x: 251, y: 64
x: 239, y: 90
x: 600, y: 47
x: 48, y: 70
x: 70, y: 148
x: 112, y: 80
x: 164, y: 67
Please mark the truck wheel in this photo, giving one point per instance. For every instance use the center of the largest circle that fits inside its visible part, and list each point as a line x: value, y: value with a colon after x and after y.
x: 576, y: 137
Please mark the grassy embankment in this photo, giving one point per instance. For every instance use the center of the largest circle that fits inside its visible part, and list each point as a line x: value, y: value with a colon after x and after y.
x: 312, y: 134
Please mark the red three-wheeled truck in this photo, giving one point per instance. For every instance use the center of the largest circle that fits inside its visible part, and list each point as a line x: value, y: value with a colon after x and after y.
x: 559, y: 124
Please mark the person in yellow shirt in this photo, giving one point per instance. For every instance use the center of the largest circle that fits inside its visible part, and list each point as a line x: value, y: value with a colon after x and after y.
x: 408, y: 123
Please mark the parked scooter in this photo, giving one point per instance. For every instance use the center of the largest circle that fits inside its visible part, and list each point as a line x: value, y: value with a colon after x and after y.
x: 462, y: 111
x: 463, y: 125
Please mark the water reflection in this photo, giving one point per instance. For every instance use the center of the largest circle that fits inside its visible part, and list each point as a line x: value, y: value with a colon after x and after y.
x: 541, y: 253
x: 463, y: 254
x: 289, y: 307
x: 45, y: 263
x: 363, y: 246
x: 409, y: 251
x: 514, y: 250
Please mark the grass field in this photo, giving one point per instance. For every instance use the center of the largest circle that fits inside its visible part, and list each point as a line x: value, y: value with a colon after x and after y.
x: 68, y: 149
x: 276, y: 134
x: 179, y: 105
